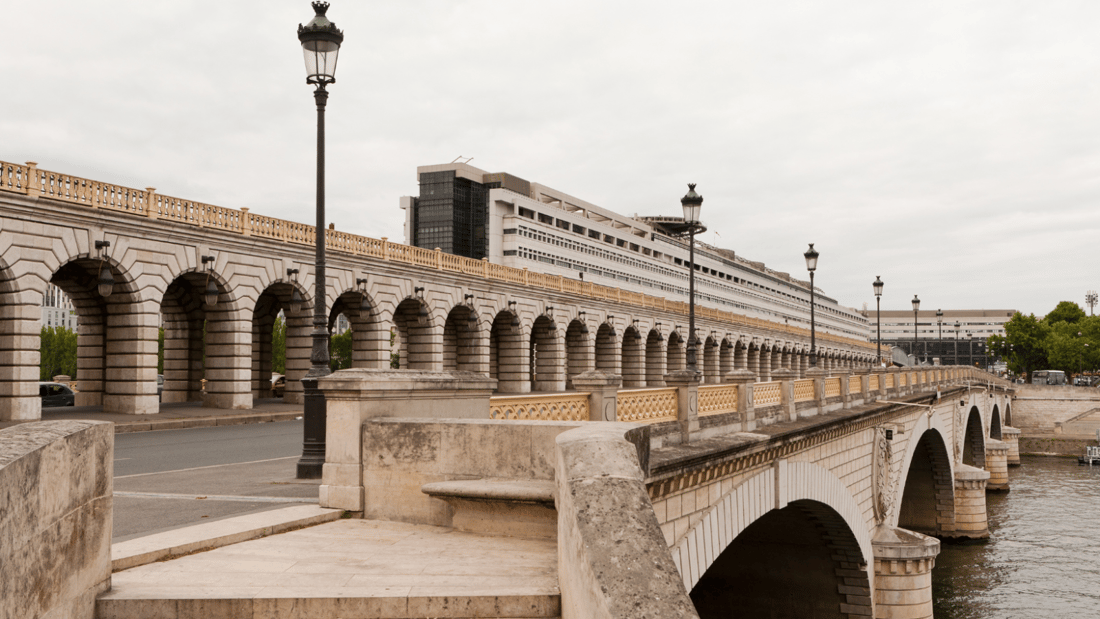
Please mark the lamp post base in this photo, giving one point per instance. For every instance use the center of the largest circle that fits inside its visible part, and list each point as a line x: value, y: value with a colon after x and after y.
x: 311, y: 464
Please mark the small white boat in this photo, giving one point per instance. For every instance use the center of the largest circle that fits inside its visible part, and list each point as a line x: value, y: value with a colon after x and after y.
x: 1091, y: 457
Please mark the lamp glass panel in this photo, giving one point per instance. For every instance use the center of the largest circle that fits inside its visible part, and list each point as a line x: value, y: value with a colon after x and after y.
x: 320, y: 60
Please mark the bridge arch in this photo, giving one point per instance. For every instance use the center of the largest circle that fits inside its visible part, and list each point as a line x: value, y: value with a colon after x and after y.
x: 463, y: 344
x: 926, y: 502
x: 710, y: 360
x: 675, y: 352
x: 633, y: 359
x: 418, y: 340
x: 508, y: 361
x: 655, y: 359
x: 276, y: 298
x: 973, y: 440
x: 725, y: 357
x: 369, y: 340
x: 607, y: 358
x: 578, y: 350
x: 547, y: 369
x: 789, y: 527
x: 995, y: 423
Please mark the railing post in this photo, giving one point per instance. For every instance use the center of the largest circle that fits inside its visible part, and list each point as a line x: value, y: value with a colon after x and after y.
x: 863, y: 375
x: 845, y: 396
x: 686, y: 383
x: 895, y: 374
x: 438, y: 259
x: 880, y: 393
x: 786, y: 392
x: 526, y: 276
x: 818, y: 375
x: 602, y: 388
x: 485, y: 268
x: 151, y: 202
x: 385, y: 248
x: 744, y: 380
x: 30, y: 184
x: 246, y: 222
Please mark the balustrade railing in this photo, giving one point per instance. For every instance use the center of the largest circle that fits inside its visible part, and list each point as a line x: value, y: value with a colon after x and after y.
x: 646, y: 405
x: 874, y: 383
x: 832, y: 387
x: 767, y: 394
x: 548, y: 407
x: 29, y: 180
x: 854, y: 385
x: 717, y: 399
x: 804, y: 390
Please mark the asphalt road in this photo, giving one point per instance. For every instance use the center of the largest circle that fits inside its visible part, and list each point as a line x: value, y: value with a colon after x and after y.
x: 175, y: 478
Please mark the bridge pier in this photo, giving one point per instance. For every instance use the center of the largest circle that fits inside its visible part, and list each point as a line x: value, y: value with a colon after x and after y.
x: 971, y: 520
x: 1011, y: 437
x: 903, y: 573
x: 996, y: 462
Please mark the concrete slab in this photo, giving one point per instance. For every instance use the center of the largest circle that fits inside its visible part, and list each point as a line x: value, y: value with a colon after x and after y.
x: 349, y: 568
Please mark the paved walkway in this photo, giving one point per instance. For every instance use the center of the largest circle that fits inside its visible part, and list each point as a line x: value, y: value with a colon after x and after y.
x: 347, y: 568
x: 178, y: 415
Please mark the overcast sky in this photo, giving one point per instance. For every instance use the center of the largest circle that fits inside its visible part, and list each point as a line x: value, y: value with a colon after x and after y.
x: 950, y: 147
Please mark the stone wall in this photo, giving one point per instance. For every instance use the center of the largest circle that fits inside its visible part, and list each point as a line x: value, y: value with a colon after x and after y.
x: 55, y: 518
x: 612, y: 560
x: 1037, y: 408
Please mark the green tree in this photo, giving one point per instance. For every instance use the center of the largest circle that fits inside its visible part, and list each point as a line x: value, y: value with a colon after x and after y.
x: 57, y: 353
x: 1024, y: 345
x: 395, y: 355
x: 340, y: 351
x: 278, y: 346
x: 1066, y: 311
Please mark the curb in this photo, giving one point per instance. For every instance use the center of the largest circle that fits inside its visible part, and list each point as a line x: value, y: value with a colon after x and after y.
x: 211, y: 535
x: 203, y: 422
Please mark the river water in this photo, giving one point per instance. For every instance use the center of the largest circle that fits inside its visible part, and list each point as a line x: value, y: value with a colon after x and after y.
x: 1043, y: 556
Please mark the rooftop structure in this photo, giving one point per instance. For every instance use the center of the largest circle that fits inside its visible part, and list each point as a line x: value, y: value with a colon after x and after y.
x: 508, y: 220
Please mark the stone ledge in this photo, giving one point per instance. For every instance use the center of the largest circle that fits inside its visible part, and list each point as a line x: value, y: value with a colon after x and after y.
x: 210, y: 535
x: 511, y: 490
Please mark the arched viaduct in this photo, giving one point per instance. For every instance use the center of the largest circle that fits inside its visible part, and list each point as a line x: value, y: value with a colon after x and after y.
x: 529, y: 331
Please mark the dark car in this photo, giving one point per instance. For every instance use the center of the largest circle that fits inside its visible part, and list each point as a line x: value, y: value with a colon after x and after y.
x: 56, y: 394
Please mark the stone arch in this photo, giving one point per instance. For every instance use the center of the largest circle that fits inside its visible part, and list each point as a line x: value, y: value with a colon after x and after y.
x: 740, y: 355
x: 1008, y: 413
x: 547, y: 369
x: 607, y: 357
x: 22, y: 305
x: 370, y: 346
x: 675, y: 356
x: 655, y: 359
x: 725, y: 358
x: 508, y: 361
x: 633, y: 358
x: 578, y: 351
x: 766, y: 351
x: 759, y: 512
x: 116, y: 337
x: 926, y: 500
x: 753, y: 357
x: 995, y: 423
x: 709, y: 360
x: 463, y: 344
x: 298, y: 325
x: 973, y: 440
x: 417, y: 340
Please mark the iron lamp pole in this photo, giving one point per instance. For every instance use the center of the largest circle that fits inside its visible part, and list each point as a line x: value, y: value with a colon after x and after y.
x: 877, y: 284
x: 811, y: 266
x: 692, y: 204
x: 957, y: 325
x: 939, y: 327
x: 916, y: 306
x: 320, y: 41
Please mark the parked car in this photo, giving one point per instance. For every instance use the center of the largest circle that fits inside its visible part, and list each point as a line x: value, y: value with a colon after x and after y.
x: 160, y: 385
x: 278, y: 385
x: 56, y: 394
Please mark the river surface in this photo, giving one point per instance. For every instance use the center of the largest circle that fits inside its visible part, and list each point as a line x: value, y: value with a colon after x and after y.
x: 1043, y: 557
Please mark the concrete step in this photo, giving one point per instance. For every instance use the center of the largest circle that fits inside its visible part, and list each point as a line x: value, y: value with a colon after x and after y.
x: 353, y: 569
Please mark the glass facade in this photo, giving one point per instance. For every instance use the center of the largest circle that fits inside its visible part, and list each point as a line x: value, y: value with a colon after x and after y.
x: 452, y: 214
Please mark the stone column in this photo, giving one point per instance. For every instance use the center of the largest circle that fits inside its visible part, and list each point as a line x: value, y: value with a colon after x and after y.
x: 895, y: 374
x: 603, y: 389
x: 863, y: 375
x: 744, y: 380
x: 754, y: 362
x: 996, y: 462
x: 818, y: 376
x: 765, y: 374
x: 20, y: 330
x: 687, y: 401
x: 845, y: 396
x: 881, y: 393
x: 903, y: 573
x: 1011, y: 437
x: 971, y: 520
x: 786, y: 393
x: 355, y: 395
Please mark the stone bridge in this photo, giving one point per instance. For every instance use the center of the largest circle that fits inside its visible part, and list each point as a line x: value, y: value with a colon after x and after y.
x: 167, y: 258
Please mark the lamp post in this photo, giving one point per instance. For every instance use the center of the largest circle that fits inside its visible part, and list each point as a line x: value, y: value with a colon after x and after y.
x: 320, y: 41
x: 969, y: 349
x: 811, y: 266
x: 916, y: 306
x: 939, y: 326
x: 1090, y: 300
x: 957, y: 325
x: 877, y: 284
x: 692, y: 204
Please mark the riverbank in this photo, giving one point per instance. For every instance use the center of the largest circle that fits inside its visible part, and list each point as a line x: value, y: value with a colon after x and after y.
x: 1055, y: 445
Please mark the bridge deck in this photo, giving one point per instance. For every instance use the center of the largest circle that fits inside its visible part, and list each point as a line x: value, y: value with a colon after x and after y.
x: 360, y: 568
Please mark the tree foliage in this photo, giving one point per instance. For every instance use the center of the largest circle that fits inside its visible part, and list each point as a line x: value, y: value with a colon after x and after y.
x: 1066, y: 311
x: 1065, y: 339
x: 340, y: 350
x: 57, y: 353
x: 278, y: 346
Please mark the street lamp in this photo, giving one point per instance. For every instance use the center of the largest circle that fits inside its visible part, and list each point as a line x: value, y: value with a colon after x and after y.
x: 957, y: 325
x: 939, y: 326
x: 1090, y: 300
x: 878, y: 313
x: 811, y: 266
x: 916, y: 306
x: 692, y: 204
x: 320, y: 41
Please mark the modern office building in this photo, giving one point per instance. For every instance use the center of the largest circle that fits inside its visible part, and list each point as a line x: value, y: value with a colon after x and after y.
x: 514, y: 222
x: 57, y: 309
x: 937, y: 337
